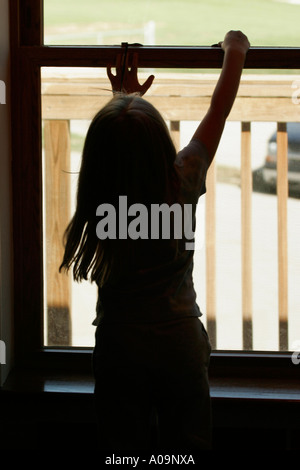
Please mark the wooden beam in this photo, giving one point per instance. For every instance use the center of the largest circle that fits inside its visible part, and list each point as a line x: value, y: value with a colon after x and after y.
x: 174, y: 108
x: 210, y: 246
x: 282, y: 197
x: 57, y: 216
x: 246, y: 218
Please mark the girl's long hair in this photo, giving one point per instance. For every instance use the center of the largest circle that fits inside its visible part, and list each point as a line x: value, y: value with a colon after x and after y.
x: 128, y: 151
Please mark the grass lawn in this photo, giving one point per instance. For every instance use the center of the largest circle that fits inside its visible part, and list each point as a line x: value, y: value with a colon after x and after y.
x: 178, y: 22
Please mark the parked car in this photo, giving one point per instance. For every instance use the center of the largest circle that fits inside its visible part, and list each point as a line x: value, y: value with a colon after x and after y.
x: 268, y: 172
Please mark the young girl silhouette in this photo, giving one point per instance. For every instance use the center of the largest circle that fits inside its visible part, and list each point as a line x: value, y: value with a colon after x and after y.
x: 152, y: 352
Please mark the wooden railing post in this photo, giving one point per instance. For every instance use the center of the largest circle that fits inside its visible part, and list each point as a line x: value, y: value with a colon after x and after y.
x: 246, y: 218
x: 282, y: 197
x: 57, y: 195
x: 210, y: 237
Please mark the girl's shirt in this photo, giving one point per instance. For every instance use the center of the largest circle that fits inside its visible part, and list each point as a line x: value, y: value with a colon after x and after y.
x: 164, y: 291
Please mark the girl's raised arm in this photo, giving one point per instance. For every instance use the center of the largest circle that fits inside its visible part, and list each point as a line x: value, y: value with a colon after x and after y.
x: 209, y: 131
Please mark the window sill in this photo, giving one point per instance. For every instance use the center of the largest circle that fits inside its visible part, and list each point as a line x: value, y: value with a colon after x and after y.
x: 233, y: 375
x: 222, y: 388
x: 57, y: 410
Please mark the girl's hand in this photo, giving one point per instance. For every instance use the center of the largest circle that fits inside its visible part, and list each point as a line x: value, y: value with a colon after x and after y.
x: 126, y: 80
x: 235, y: 40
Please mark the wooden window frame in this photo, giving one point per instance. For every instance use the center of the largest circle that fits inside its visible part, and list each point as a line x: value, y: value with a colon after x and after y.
x: 28, y: 56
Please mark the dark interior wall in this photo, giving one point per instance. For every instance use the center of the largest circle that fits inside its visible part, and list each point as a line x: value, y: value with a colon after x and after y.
x: 67, y: 421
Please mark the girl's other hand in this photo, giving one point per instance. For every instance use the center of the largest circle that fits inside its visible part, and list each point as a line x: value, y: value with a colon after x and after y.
x: 235, y: 40
x: 126, y: 79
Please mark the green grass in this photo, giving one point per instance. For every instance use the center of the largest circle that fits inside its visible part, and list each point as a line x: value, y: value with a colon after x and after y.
x: 180, y: 22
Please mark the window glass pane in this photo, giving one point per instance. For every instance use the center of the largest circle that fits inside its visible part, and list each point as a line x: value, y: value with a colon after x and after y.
x: 247, y: 258
x: 169, y: 22
x: 69, y: 308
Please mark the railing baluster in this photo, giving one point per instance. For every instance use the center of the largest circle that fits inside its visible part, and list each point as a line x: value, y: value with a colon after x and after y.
x: 57, y: 194
x: 246, y: 222
x: 282, y: 197
x: 210, y: 237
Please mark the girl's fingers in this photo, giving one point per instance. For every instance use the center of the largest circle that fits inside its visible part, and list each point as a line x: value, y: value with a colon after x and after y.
x: 119, y: 63
x: 134, y: 64
x: 147, y: 84
x: 127, y: 78
x: 109, y: 72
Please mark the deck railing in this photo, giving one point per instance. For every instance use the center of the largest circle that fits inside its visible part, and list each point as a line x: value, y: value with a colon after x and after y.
x: 179, y: 97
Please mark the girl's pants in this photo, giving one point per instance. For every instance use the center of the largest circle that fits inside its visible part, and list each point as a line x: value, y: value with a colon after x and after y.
x: 151, y: 386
